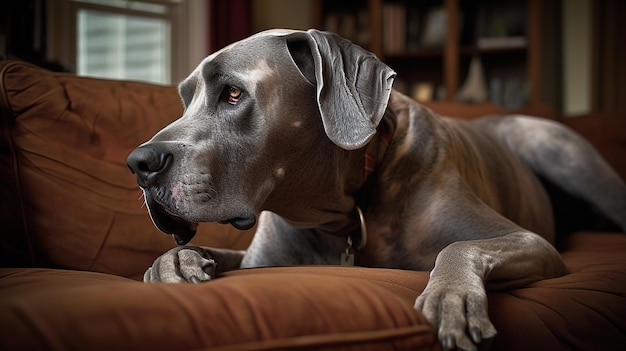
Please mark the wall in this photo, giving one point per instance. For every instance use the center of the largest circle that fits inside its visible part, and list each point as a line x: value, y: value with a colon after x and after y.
x: 267, y: 14
x: 577, y: 33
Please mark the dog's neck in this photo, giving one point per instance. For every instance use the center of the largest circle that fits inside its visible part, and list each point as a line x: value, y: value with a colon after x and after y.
x: 351, y: 223
x: 374, y: 155
x: 329, y: 204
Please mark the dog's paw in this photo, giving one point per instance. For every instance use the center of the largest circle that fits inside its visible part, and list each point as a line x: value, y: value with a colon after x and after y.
x: 458, y: 312
x: 185, y: 264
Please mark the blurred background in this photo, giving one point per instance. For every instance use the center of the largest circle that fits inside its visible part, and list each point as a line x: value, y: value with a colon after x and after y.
x: 547, y: 57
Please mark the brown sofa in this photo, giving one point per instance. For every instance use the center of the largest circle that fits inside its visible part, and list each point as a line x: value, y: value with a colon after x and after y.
x: 75, y: 241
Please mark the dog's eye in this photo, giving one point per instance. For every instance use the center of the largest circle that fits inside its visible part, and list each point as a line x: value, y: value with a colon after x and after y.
x: 232, y: 95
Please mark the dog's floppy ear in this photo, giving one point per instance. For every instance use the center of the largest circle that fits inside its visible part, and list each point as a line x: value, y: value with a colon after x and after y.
x: 353, y: 86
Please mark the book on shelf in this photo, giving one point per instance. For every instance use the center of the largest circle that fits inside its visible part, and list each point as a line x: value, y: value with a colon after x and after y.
x: 352, y: 26
x: 394, y: 28
x: 412, y: 28
x: 435, y: 27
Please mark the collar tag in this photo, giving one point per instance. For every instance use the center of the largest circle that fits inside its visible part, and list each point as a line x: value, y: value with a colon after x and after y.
x: 347, y: 257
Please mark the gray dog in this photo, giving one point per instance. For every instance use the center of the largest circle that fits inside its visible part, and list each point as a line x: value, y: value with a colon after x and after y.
x: 303, y: 130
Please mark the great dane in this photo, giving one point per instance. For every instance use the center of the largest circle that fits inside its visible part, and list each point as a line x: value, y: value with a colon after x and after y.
x: 303, y: 130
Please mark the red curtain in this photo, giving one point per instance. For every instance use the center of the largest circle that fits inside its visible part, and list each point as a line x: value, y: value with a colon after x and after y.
x: 230, y: 21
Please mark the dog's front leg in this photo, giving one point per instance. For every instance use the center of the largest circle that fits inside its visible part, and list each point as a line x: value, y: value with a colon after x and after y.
x: 192, y: 264
x: 455, y: 300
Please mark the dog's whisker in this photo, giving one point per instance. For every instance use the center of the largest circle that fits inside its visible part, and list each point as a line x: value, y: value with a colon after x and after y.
x: 142, y: 197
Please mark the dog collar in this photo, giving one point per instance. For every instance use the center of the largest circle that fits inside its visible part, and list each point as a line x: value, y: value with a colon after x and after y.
x: 374, y: 154
x: 359, y: 241
x: 377, y: 147
x: 356, y: 240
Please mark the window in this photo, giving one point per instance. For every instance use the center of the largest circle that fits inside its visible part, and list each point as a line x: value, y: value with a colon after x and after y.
x: 142, y: 40
x: 123, y: 46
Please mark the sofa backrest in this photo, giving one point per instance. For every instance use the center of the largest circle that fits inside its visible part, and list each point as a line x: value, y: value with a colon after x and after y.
x: 607, y: 134
x: 68, y: 198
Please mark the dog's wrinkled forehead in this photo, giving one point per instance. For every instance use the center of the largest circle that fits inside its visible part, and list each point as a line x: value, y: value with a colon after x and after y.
x: 247, y: 62
x: 352, y: 86
x: 262, y: 40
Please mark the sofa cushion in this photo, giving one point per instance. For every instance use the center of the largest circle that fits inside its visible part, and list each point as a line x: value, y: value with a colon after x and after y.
x: 310, y: 307
x: 583, y: 310
x: 71, y: 201
x: 257, y: 309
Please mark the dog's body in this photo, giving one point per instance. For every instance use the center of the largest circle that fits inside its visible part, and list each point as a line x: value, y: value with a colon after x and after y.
x: 305, y: 126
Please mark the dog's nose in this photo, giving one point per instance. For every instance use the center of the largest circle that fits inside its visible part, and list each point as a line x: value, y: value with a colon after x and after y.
x: 147, y: 162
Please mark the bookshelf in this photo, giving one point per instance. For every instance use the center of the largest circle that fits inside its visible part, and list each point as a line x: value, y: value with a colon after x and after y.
x: 432, y: 43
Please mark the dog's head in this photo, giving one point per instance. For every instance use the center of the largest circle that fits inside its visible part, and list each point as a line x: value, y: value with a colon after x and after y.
x: 263, y: 116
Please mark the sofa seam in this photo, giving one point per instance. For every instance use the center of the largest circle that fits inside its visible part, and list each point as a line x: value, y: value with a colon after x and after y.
x: 334, y: 340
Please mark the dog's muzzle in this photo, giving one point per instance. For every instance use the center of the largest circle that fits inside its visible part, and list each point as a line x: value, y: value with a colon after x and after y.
x: 167, y: 222
x: 147, y: 163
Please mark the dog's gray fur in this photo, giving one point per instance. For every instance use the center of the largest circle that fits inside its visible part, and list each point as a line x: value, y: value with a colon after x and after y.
x: 448, y: 195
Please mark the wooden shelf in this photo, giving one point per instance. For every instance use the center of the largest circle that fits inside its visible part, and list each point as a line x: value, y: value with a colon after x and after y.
x: 413, y: 54
x: 463, y: 50
x: 473, y: 49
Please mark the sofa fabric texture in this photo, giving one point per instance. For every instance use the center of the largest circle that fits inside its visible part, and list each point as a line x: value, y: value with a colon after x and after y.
x: 76, y: 239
